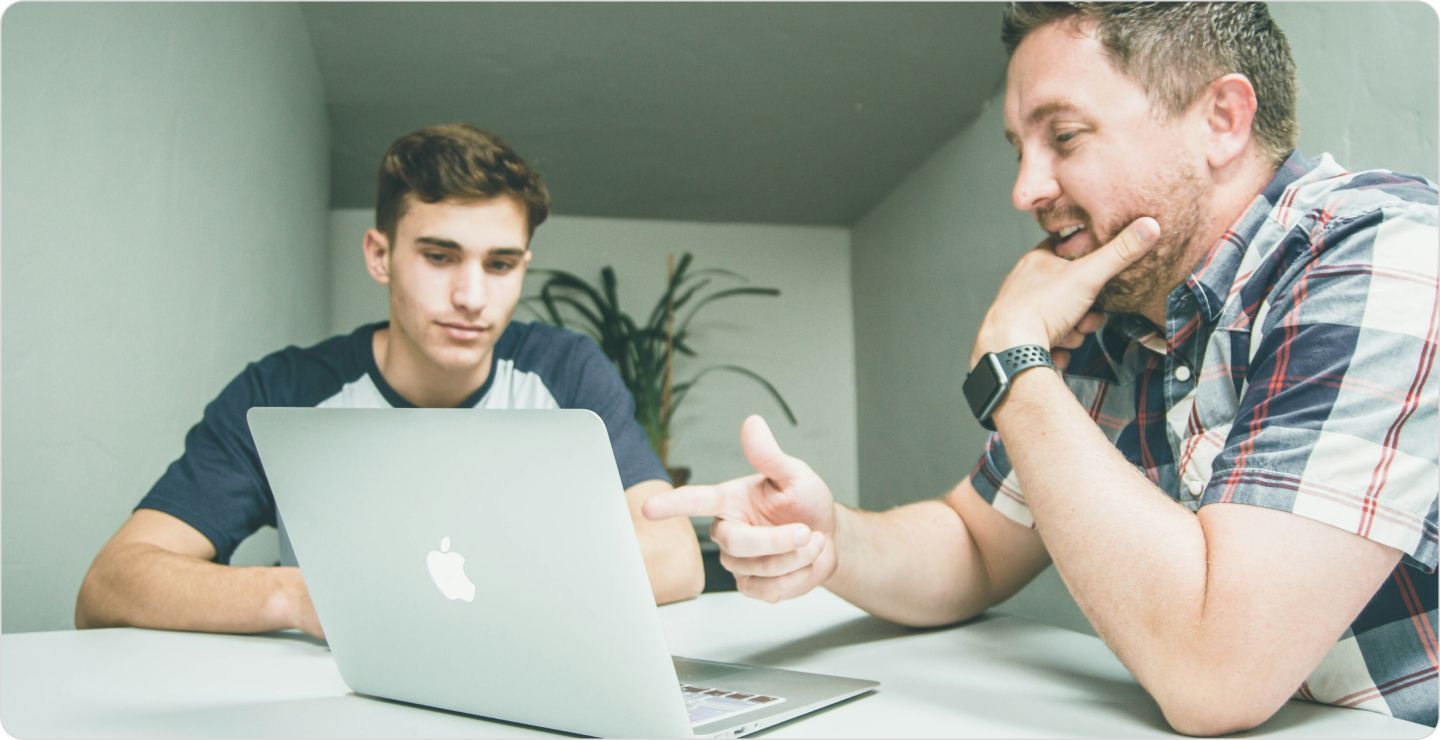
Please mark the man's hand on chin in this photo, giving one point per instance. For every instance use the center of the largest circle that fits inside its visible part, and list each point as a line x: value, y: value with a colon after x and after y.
x: 1049, y: 300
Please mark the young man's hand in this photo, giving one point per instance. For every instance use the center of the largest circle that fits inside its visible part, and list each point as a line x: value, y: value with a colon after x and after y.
x: 1049, y: 300
x: 290, y: 603
x: 775, y: 529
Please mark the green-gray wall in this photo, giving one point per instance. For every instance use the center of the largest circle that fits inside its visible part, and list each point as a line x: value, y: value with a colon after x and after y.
x: 927, y: 260
x: 165, y: 180
x: 165, y: 222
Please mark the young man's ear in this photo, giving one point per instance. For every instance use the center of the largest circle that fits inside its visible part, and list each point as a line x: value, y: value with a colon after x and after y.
x: 1229, y: 112
x: 377, y: 256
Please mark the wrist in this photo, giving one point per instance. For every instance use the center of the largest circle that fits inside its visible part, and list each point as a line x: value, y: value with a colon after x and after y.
x: 995, y: 341
x: 1021, y: 386
x: 275, y: 606
x: 987, y: 386
x: 839, y: 539
x: 283, y: 598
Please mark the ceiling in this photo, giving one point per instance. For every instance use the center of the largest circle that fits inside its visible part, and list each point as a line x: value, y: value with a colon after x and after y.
x: 796, y: 113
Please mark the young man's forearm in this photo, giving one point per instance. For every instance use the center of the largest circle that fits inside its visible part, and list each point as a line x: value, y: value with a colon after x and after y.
x: 143, y: 585
x: 669, y: 547
x: 674, y: 566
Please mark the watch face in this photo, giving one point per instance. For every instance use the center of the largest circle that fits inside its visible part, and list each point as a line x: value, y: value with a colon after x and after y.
x: 982, y: 386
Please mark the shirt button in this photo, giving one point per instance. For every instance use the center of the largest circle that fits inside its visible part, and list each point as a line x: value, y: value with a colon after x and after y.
x: 1182, y: 373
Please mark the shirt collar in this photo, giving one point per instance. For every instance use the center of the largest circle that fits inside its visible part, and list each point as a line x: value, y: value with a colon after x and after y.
x: 1213, y: 279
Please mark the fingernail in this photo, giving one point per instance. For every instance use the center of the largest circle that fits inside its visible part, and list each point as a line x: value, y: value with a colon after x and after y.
x: 1147, y: 228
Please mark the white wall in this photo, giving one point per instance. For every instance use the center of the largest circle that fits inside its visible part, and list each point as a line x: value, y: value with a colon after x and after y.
x: 165, y: 181
x: 928, y: 259
x: 802, y: 341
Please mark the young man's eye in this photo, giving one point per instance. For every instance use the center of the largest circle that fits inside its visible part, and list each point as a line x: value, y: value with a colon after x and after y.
x: 438, y: 258
x: 1065, y: 137
x: 501, y: 266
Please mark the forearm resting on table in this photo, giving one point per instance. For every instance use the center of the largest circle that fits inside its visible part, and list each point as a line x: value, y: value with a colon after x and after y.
x: 139, y: 584
x: 1220, y: 616
x: 669, y: 546
x: 919, y: 564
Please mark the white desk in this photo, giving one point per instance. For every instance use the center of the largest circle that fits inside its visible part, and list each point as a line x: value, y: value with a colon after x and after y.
x: 997, y: 676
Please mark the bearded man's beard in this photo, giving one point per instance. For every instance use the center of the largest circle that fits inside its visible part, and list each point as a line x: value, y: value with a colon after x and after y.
x: 1176, y: 201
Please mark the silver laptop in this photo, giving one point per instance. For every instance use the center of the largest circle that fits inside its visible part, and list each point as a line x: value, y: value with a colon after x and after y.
x: 485, y: 562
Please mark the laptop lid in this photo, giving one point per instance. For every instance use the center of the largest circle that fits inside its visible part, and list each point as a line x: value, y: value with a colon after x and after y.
x: 478, y: 561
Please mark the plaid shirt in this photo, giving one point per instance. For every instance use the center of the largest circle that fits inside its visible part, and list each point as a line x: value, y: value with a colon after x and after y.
x: 1297, y: 372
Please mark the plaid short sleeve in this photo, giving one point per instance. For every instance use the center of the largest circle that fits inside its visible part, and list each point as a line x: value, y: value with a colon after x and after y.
x: 993, y: 476
x: 994, y: 479
x: 1337, y: 418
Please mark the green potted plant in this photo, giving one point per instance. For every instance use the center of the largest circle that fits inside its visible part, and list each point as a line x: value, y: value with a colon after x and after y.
x: 644, y: 353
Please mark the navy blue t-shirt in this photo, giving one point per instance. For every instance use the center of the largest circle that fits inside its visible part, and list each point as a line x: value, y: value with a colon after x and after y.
x: 218, y: 487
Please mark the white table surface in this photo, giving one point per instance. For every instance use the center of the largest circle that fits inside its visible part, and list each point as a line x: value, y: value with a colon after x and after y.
x: 996, y: 676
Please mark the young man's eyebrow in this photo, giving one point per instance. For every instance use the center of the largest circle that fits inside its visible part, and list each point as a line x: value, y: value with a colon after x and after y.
x: 436, y: 241
x: 443, y: 243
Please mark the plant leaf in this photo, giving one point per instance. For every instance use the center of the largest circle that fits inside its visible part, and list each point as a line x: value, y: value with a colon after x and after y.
x: 680, y: 390
x: 639, y: 351
x: 657, y: 317
x: 719, y: 295
x: 594, y: 324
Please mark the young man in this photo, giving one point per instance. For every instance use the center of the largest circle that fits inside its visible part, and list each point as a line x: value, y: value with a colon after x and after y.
x: 454, y: 215
x: 1236, y: 476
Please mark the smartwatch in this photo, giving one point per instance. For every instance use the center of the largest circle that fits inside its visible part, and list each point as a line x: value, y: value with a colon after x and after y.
x: 985, y: 387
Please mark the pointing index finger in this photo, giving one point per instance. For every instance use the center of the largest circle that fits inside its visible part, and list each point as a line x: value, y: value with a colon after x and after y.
x: 721, y: 499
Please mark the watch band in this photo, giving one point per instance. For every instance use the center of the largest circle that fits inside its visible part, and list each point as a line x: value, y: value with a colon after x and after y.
x: 1024, y: 357
x: 987, y: 384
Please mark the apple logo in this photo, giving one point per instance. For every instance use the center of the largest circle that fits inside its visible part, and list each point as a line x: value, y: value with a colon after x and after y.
x: 447, y: 569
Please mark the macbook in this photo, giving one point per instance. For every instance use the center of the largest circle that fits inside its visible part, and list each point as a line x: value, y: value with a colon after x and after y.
x: 485, y: 562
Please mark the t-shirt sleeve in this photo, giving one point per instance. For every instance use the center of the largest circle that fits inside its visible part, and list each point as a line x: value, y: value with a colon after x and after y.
x: 1337, y: 421
x: 597, y: 386
x: 216, y: 486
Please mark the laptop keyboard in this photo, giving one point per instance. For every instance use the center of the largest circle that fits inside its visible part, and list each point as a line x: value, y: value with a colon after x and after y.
x: 708, y: 705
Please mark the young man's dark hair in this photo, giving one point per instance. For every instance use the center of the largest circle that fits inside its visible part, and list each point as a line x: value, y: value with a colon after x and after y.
x: 459, y: 161
x: 1175, y: 49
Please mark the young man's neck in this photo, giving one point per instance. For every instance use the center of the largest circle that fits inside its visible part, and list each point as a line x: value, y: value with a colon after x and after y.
x: 418, y: 381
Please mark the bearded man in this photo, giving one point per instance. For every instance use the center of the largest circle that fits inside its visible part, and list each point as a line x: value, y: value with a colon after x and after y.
x: 1213, y: 390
